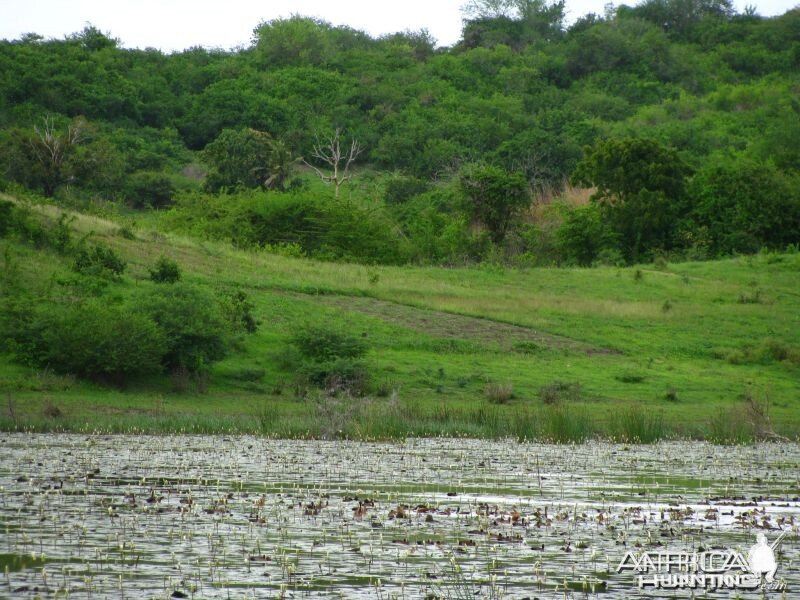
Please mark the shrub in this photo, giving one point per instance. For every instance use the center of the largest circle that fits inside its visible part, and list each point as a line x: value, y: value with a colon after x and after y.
x: 99, y: 261
x: 527, y: 347
x: 126, y: 233
x: 640, y: 189
x: 92, y: 339
x: 166, y: 271
x: 581, y: 236
x: 339, y: 375
x: 6, y: 214
x: 328, y: 357
x: 402, y: 189
x: 18, y: 220
x: 192, y: 324
x: 238, y: 311
x: 330, y: 231
x: 386, y: 388
x: 495, y: 197
x: 769, y: 350
x: 318, y: 343
x: 147, y: 189
x: 744, y: 205
x: 754, y: 298
x: 50, y: 410
x: 499, y: 393
x: 629, y: 378
x: 555, y: 392
x: 61, y: 234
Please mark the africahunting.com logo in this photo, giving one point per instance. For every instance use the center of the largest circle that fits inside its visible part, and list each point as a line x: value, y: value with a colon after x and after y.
x: 710, y: 570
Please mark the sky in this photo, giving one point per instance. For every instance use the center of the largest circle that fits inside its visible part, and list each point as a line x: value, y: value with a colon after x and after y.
x: 171, y: 25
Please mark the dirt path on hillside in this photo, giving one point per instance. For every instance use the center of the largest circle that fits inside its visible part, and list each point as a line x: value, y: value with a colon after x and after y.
x: 449, y: 325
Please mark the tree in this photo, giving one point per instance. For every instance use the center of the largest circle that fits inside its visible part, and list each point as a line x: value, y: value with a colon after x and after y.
x: 338, y: 161
x: 678, y: 17
x: 581, y: 236
x: 512, y: 9
x: 278, y: 167
x: 293, y: 41
x: 640, y: 188
x: 621, y: 168
x: 522, y: 21
x: 546, y: 159
x: 495, y: 197
x: 192, y: 324
x: 744, y: 205
x: 51, y: 148
x: 247, y: 158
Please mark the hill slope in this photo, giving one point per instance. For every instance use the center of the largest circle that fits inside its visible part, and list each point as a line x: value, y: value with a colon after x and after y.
x: 696, y: 349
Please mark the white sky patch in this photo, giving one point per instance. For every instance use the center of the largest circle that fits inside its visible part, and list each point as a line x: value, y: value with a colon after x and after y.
x: 178, y: 24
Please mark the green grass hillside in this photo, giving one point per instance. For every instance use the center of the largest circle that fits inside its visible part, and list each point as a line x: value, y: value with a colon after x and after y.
x: 697, y: 349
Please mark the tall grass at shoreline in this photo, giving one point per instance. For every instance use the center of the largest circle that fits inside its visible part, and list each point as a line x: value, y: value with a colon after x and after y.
x: 380, y: 420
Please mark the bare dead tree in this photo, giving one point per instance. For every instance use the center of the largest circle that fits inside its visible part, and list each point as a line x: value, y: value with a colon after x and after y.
x: 50, y: 147
x: 338, y: 161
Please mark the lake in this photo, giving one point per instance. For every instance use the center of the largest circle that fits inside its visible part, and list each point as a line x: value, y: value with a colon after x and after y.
x: 224, y: 516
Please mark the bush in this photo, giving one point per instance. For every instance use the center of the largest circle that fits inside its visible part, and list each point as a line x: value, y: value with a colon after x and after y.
x: 499, y: 393
x: 22, y: 223
x: 99, y: 261
x: 165, y: 271
x: 401, y: 189
x: 495, y: 197
x: 339, y: 375
x: 147, y: 189
x: 238, y: 311
x: 555, y: 392
x: 744, y: 205
x: 629, y: 377
x: 581, y: 236
x: 6, y: 213
x: 328, y: 358
x: 192, y: 323
x: 317, y: 343
x: 92, y: 339
x: 640, y: 190
x: 297, y: 220
x: 769, y: 350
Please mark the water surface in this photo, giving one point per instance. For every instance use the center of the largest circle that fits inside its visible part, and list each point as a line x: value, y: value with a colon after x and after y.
x: 218, y: 517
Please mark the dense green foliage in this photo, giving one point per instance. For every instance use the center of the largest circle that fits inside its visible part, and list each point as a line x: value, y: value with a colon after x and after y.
x: 166, y: 270
x: 329, y: 358
x: 495, y: 197
x: 89, y: 339
x: 192, y: 323
x: 640, y: 190
x: 85, y: 323
x: 687, y: 86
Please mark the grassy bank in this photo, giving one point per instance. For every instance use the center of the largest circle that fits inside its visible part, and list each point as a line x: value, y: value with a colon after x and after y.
x: 703, y: 349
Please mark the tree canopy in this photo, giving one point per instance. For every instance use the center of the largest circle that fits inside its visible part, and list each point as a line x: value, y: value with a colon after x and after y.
x: 642, y: 103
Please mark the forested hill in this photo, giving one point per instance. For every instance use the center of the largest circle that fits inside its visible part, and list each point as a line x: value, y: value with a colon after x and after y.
x: 679, y: 117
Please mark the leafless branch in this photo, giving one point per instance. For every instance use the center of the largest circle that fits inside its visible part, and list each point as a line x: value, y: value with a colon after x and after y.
x: 330, y: 152
x: 51, y: 147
